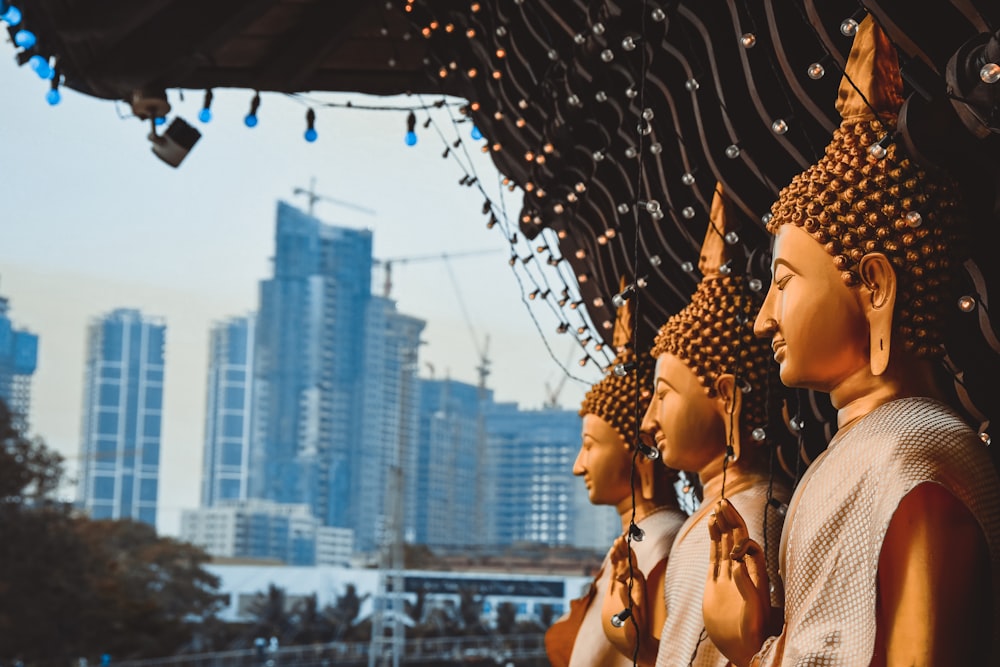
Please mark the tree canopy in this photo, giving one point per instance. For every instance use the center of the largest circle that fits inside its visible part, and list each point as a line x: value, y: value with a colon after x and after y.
x: 72, y: 587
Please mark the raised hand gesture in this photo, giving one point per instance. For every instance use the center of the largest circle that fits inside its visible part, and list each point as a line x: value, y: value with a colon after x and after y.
x: 737, y: 602
x: 623, y: 634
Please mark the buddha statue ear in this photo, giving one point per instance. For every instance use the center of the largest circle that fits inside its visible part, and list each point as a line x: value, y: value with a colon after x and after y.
x: 730, y: 400
x: 878, y: 289
x: 647, y: 477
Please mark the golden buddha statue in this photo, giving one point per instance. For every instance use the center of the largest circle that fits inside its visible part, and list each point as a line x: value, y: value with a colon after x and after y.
x: 607, y: 454
x: 891, y: 549
x: 707, y: 415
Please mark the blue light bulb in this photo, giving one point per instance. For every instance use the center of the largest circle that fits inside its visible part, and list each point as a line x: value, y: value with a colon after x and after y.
x: 25, y: 38
x: 205, y: 115
x: 476, y: 134
x: 53, y: 97
x: 159, y: 120
x: 411, y: 138
x: 250, y: 120
x: 311, y: 135
x: 12, y: 16
x: 41, y: 66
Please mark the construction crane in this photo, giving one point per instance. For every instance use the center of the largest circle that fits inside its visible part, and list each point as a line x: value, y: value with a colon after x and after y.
x: 314, y: 197
x: 441, y: 256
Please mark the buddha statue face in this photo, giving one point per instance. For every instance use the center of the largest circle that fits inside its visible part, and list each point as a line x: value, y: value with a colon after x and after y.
x: 684, y: 423
x: 604, y: 462
x: 817, y: 324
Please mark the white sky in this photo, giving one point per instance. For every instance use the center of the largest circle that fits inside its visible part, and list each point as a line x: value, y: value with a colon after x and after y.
x: 91, y: 220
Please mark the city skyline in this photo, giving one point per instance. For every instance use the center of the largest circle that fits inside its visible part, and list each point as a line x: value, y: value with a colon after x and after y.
x: 190, y: 245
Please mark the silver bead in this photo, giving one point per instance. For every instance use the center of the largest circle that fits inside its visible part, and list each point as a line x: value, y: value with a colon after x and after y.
x: 579, y: 38
x: 966, y: 303
x: 573, y: 101
x: 658, y: 15
x: 796, y: 424
x: 655, y: 260
x: 755, y: 285
x: 687, y: 267
x: 630, y: 151
x: 849, y: 28
x: 748, y: 40
x: 914, y: 219
x: 687, y: 212
x: 990, y: 73
x: 607, y: 55
x: 816, y: 71
x: 655, y: 148
x: 622, y: 208
x: 985, y: 437
x: 692, y: 85
x: 732, y: 151
x: 598, y: 28
x: 647, y: 114
x: 628, y: 43
x: 725, y: 269
x: 631, y: 92
x: 553, y: 55
x: 501, y: 31
x: 597, y: 155
x: 732, y: 238
x: 766, y: 218
x: 687, y: 178
x: 758, y: 434
x: 877, y: 151
x: 601, y: 96
x: 779, y: 126
x: 652, y: 206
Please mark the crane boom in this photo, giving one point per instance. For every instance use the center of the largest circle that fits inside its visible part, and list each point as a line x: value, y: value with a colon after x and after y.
x: 314, y: 197
x: 412, y: 259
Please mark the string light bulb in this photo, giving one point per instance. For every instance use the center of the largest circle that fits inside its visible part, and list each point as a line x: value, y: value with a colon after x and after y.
x: 25, y: 38
x: 250, y: 120
x: 12, y: 15
x: 411, y: 134
x: 476, y: 133
x: 205, y: 115
x: 311, y: 135
x: 52, y: 95
x: 618, y: 620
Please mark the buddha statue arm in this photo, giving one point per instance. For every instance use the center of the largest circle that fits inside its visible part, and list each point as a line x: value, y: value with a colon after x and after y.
x: 737, y: 603
x: 647, y: 606
x: 934, y: 593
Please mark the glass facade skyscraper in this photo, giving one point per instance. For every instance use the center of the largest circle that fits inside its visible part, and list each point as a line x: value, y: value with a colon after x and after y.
x: 536, y: 496
x: 123, y: 403
x: 228, y: 411
x: 388, y: 429
x: 451, y: 479
x: 308, y: 363
x: 18, y: 360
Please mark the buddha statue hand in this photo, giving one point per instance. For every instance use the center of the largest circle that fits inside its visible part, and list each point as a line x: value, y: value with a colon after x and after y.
x: 737, y: 602
x: 621, y: 633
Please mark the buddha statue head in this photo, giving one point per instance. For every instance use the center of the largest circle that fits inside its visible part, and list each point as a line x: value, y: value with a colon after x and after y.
x: 611, y: 411
x: 865, y: 242
x: 712, y: 379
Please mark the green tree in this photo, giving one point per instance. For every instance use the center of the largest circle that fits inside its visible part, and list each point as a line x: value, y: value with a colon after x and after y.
x: 150, y: 591
x: 71, y: 587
